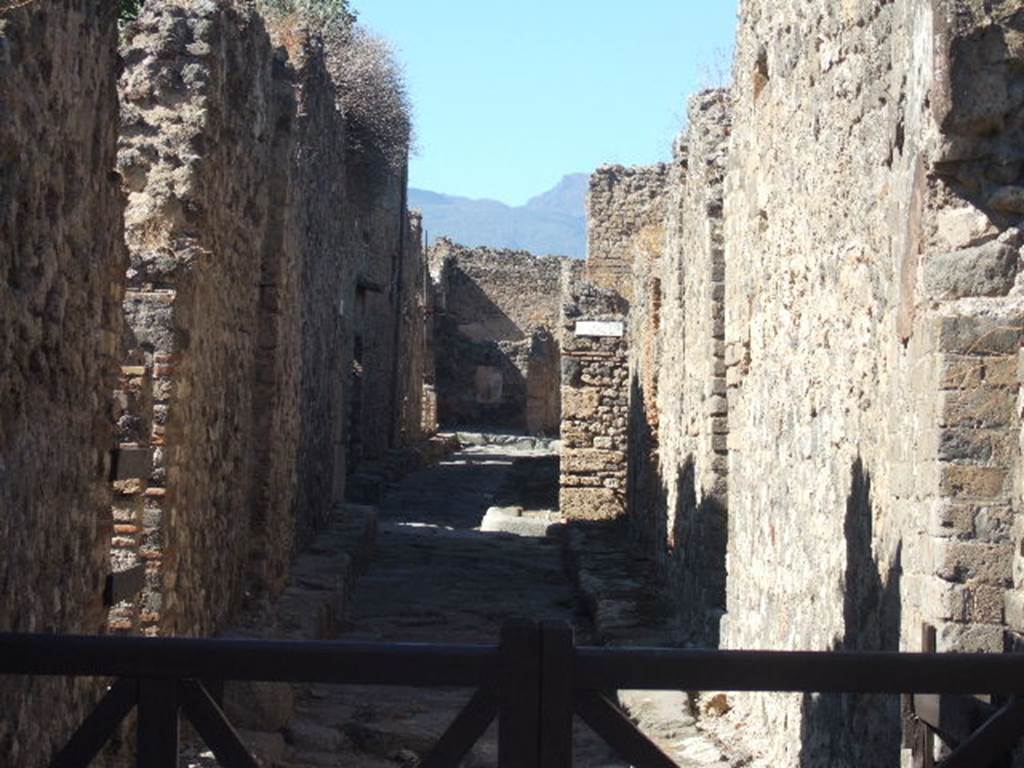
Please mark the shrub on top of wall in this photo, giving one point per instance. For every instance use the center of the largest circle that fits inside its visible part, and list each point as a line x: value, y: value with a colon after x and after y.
x: 372, y: 93
x: 369, y: 81
x: 319, y: 16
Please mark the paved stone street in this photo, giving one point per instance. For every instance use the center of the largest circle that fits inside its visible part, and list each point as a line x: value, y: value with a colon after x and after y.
x: 436, y: 578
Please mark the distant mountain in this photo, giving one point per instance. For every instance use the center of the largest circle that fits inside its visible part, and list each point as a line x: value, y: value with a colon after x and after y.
x: 568, y: 197
x: 554, y: 222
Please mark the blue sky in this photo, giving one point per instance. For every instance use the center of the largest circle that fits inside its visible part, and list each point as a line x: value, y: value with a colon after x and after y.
x: 509, y: 97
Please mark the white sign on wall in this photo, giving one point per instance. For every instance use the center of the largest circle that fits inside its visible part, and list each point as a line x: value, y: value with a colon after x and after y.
x: 600, y: 329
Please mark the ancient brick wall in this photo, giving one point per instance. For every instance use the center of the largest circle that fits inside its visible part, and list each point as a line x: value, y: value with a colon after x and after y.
x: 682, y: 392
x: 595, y: 402
x: 869, y: 346
x: 623, y: 205
x: 496, y: 337
x: 63, y: 260
x: 260, y: 270
x: 200, y: 84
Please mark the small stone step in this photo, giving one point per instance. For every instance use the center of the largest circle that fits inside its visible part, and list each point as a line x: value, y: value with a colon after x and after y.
x: 516, y: 520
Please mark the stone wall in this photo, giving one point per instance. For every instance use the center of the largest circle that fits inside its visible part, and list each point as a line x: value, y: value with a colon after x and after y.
x: 850, y: 302
x: 865, y: 316
x: 200, y: 84
x: 263, y: 269
x: 625, y: 209
x: 379, y: 232
x: 416, y: 368
x: 595, y: 402
x: 63, y: 260
x: 496, y: 337
x: 261, y: 252
x: 680, y: 411
x: 307, y: 281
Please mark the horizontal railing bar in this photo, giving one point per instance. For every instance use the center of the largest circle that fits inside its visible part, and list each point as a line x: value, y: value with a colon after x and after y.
x: 475, y: 665
x: 806, y: 672
x: 251, y: 660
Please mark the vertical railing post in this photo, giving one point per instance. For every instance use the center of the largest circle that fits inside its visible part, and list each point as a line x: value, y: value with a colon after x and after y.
x: 558, y: 652
x: 519, y: 696
x: 926, y: 746
x: 158, y: 724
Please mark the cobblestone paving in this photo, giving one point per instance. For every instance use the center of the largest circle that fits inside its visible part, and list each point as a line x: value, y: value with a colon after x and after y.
x: 436, y: 578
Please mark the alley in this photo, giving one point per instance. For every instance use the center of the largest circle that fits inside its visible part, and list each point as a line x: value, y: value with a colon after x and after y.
x: 436, y: 578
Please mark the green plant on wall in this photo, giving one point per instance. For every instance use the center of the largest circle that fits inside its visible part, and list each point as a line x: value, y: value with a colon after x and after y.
x: 129, y: 10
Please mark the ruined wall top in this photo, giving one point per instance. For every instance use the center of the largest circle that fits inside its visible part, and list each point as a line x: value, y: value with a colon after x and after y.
x: 625, y: 207
x: 496, y: 294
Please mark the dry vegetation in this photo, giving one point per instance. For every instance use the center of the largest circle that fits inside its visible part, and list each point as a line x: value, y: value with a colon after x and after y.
x: 372, y: 92
x: 369, y: 80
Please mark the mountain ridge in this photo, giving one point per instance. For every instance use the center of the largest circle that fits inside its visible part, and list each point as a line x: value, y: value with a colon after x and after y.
x: 553, y: 222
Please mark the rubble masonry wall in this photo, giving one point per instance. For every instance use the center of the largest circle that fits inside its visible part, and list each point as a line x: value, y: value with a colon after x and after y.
x: 496, y: 328
x: 63, y: 260
x: 870, y: 479
x: 625, y: 210
x: 265, y: 255
x: 595, y: 402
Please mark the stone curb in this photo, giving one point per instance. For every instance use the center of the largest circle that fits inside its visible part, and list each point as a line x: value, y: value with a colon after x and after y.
x: 605, y: 574
x: 312, y: 607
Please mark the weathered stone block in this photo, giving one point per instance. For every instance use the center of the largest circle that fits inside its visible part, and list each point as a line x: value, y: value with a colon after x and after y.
x: 975, y: 335
x: 983, y: 407
x: 580, y: 403
x: 591, y: 503
x: 982, y: 446
x: 966, y: 372
x: 985, y: 604
x: 970, y: 638
x: 587, y: 461
x: 942, y: 601
x: 967, y: 481
x: 993, y: 523
x: 958, y: 228
x: 1014, y: 609
x: 987, y: 270
x: 963, y: 561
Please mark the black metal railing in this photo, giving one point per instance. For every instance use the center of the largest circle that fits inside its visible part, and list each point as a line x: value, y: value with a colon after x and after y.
x: 534, y: 682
